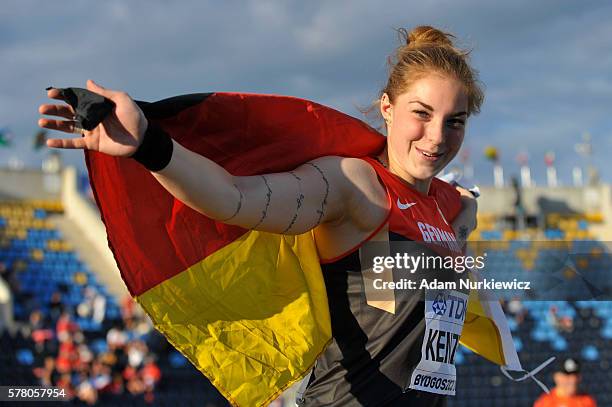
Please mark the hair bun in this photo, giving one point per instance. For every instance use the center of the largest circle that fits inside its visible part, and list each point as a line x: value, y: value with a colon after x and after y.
x: 426, y: 50
x: 426, y: 35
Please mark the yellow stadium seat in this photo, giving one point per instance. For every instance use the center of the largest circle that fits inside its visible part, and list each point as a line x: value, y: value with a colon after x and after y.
x: 22, y: 234
x: 37, y: 255
x: 474, y: 236
x: 80, y: 278
x: 509, y: 234
x: 569, y: 273
x: 582, y: 263
x: 594, y: 217
x: 52, y: 245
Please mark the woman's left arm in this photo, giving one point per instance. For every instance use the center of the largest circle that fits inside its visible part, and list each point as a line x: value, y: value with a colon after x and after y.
x: 465, y: 222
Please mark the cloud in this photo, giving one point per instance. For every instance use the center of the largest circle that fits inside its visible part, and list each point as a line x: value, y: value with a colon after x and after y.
x: 545, y: 64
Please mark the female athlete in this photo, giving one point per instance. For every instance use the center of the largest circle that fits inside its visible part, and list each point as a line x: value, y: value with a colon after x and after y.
x: 384, y: 353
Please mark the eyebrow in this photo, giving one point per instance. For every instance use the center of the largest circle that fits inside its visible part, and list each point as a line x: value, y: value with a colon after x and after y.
x: 426, y: 106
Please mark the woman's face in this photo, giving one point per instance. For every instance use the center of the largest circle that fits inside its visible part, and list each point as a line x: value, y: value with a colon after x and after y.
x: 425, y: 127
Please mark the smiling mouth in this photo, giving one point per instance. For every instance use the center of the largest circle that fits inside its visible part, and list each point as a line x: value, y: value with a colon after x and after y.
x: 430, y: 154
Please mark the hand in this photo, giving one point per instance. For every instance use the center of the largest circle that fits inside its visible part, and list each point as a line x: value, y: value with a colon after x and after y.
x: 464, y: 192
x: 119, y: 134
x: 469, y: 210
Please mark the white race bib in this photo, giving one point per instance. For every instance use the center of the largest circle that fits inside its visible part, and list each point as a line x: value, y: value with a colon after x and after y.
x: 444, y: 315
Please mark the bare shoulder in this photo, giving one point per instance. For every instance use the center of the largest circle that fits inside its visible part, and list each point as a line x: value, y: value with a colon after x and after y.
x: 365, y: 207
x: 366, y: 198
x: 360, y: 173
x: 369, y: 203
x: 354, y: 175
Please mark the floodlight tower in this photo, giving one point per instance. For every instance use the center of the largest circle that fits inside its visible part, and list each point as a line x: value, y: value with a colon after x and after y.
x: 492, y: 155
x: 523, y: 159
x: 551, y: 171
x: 468, y: 169
x: 585, y: 150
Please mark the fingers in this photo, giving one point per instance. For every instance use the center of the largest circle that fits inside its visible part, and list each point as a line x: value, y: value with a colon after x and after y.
x: 67, y: 126
x: 54, y: 93
x: 463, y: 191
x: 71, y: 143
x: 107, y: 93
x: 65, y: 111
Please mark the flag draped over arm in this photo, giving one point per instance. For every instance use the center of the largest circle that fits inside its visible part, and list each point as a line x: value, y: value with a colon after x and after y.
x: 247, y: 308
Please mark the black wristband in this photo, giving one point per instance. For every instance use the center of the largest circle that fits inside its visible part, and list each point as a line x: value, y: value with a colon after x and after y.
x: 155, y: 151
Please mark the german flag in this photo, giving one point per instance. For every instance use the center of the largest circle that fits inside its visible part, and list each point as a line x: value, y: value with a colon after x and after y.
x: 247, y: 308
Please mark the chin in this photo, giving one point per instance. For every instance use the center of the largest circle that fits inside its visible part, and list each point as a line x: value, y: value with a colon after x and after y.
x: 424, y: 173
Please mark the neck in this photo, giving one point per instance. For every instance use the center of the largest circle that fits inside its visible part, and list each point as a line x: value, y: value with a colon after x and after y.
x: 421, y: 185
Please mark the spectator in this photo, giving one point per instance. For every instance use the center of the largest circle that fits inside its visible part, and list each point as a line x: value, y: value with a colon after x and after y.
x: 566, y: 324
x: 136, y: 352
x: 127, y: 307
x: 56, y: 306
x: 86, y: 391
x: 116, y: 387
x: 46, y: 373
x: 563, y: 323
x: 68, y: 357
x: 100, y: 376
x: 108, y: 358
x: 93, y: 305
x: 519, y: 208
x: 99, y: 307
x: 65, y: 326
x: 39, y: 333
x: 150, y: 375
x: 124, y: 365
x: 85, y: 354
x: 566, y: 392
x: 116, y: 338
x: 65, y: 382
x: 36, y: 320
x: 134, y: 383
x: 553, y: 317
x: 517, y: 309
x: 142, y: 328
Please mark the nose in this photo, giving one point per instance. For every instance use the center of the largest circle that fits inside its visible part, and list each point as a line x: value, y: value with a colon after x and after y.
x: 435, y: 132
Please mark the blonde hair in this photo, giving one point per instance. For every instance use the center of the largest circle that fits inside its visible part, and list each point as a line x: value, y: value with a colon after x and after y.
x: 427, y: 50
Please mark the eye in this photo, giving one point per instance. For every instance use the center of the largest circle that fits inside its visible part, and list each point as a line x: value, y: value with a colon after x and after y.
x: 422, y: 114
x: 456, y: 123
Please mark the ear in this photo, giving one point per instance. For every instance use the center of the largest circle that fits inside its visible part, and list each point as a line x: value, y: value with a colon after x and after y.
x: 386, y: 108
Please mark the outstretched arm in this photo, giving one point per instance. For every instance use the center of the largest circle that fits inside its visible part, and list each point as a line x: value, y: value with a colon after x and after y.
x: 292, y: 202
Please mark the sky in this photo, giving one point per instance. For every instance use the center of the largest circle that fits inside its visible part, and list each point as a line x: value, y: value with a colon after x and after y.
x: 546, y: 65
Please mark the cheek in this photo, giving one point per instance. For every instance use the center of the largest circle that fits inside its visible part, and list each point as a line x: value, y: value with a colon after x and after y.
x: 413, y: 130
x: 404, y: 133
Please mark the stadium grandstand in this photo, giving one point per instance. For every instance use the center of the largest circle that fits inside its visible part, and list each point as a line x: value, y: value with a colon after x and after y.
x: 558, y: 239
x: 67, y: 320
